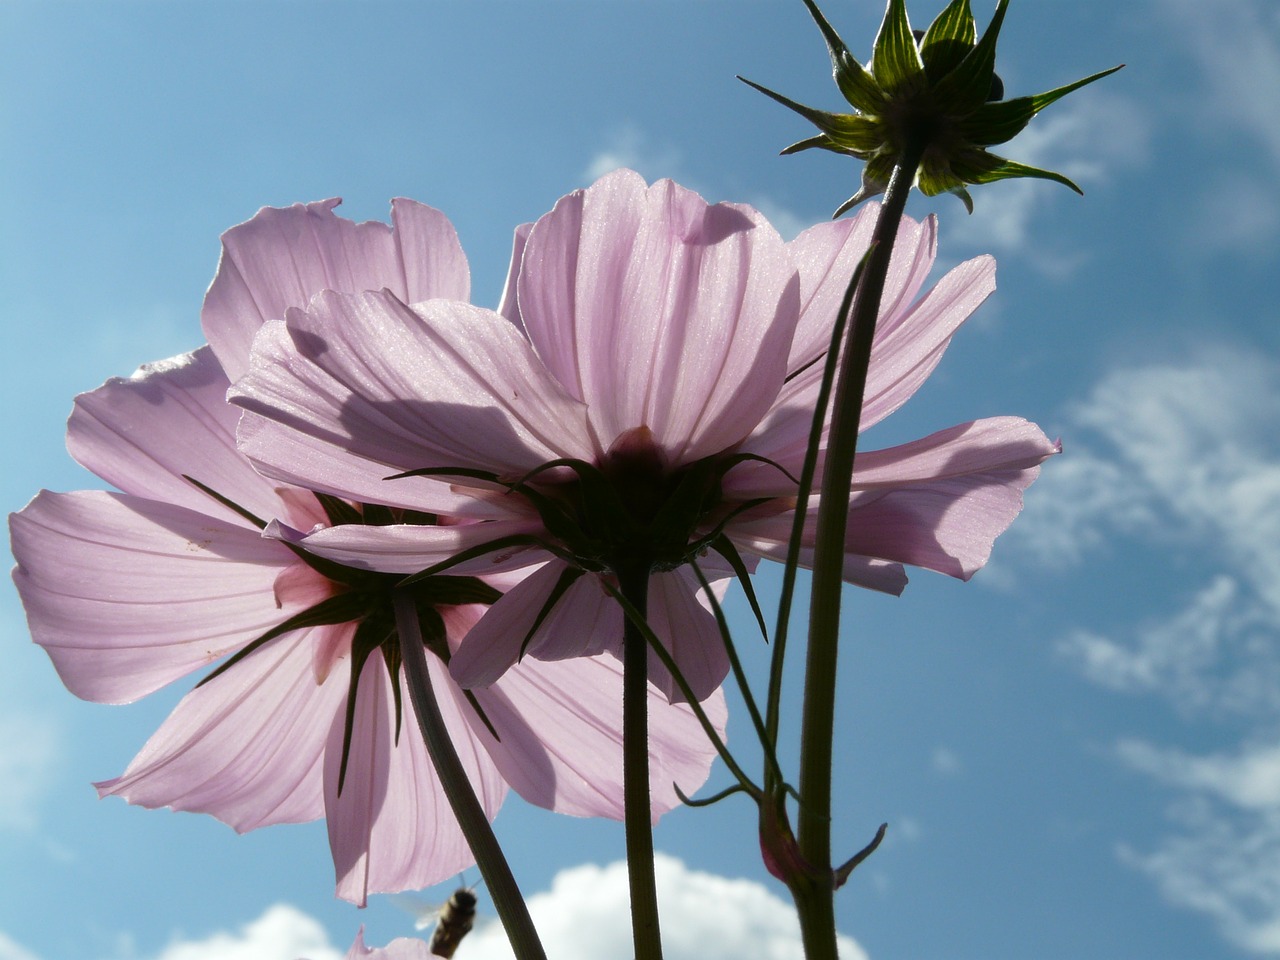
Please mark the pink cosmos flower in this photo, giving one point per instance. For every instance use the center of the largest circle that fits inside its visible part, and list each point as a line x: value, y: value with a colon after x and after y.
x: 644, y: 395
x: 130, y: 591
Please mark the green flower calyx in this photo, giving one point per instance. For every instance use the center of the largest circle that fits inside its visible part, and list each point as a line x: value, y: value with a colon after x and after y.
x: 931, y: 100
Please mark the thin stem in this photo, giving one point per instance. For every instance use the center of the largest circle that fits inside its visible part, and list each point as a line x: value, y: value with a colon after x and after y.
x: 773, y: 700
x: 497, y: 875
x: 818, y: 721
x: 633, y: 582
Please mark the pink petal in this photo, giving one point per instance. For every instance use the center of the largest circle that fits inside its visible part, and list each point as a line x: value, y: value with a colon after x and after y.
x: 906, y: 351
x: 376, y: 388
x: 937, y: 503
x: 283, y: 257
x: 401, y: 948
x: 409, y: 548
x: 171, y: 418
x: 510, y: 304
x: 690, y: 634
x: 769, y: 539
x: 126, y: 594
x: 948, y: 496
x: 561, y: 734
x: 659, y: 310
x: 826, y: 256
x: 246, y: 747
x: 391, y: 828
x: 909, y: 339
x: 585, y: 622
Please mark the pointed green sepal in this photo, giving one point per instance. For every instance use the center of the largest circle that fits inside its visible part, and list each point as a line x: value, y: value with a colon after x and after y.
x: 854, y: 80
x: 948, y: 40
x: 1002, y: 120
x: 895, y: 58
x: 1001, y: 169
x: 967, y: 87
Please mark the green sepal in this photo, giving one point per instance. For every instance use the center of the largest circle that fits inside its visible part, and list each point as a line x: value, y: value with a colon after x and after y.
x: 337, y: 510
x: 724, y: 546
x: 849, y: 131
x: 966, y: 88
x: 341, y: 608
x: 229, y: 504
x: 948, y: 40
x: 854, y: 80
x: 1001, y: 169
x: 1002, y: 120
x: 895, y: 58
x: 371, y: 633
x: 479, y: 550
x: 708, y: 801
x: 820, y: 142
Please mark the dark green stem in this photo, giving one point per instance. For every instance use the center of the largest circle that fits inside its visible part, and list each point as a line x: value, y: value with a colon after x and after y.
x: 817, y: 913
x: 633, y: 582
x: 498, y: 879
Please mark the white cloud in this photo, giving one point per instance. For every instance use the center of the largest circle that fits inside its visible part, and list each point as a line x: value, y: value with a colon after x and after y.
x: 10, y: 950
x: 629, y: 146
x: 29, y: 748
x: 1185, y: 458
x: 281, y: 933
x: 703, y: 916
x: 1183, y: 451
x: 1215, y: 654
x: 946, y: 763
x: 1085, y: 137
x: 1237, y: 45
x: 1221, y: 863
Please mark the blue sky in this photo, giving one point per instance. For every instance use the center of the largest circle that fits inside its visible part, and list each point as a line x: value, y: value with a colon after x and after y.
x: 1078, y: 753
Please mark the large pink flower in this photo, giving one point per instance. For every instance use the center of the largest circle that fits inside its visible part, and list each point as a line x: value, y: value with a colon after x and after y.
x: 644, y: 395
x: 129, y: 591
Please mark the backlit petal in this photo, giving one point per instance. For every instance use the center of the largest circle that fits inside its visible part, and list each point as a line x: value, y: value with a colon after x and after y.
x: 284, y: 256
x: 659, y: 310
x: 247, y: 747
x: 391, y: 828
x: 127, y: 594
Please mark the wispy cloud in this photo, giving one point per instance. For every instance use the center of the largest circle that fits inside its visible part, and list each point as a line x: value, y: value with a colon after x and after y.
x: 281, y: 933
x: 1235, y: 48
x: 629, y: 146
x: 1087, y: 138
x: 29, y: 751
x: 704, y: 917
x: 11, y: 950
x: 1183, y: 459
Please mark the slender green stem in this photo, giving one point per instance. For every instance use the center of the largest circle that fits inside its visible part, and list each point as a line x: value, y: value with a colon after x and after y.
x: 818, y: 720
x: 773, y: 700
x: 633, y: 581
x: 497, y: 875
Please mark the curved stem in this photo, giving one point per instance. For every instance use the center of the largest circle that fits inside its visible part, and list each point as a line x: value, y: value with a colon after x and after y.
x: 818, y: 721
x: 498, y: 878
x: 633, y: 582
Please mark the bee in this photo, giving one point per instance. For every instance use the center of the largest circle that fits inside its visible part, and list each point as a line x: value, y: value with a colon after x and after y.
x: 453, y: 920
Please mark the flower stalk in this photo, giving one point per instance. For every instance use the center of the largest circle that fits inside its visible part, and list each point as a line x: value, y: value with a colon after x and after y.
x: 633, y: 583
x: 501, y: 883
x: 815, y: 901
